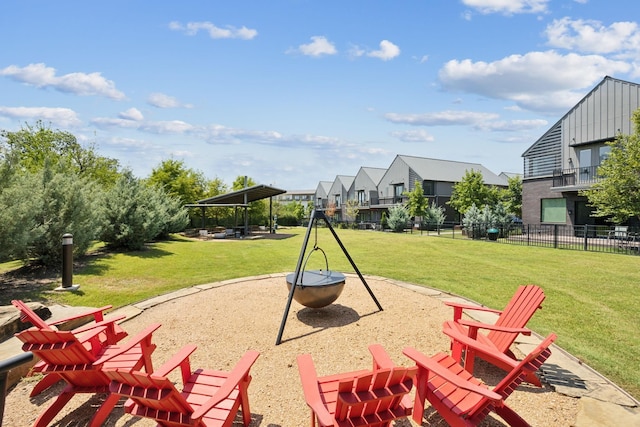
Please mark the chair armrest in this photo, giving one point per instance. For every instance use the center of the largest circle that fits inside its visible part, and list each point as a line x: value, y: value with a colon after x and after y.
x: 459, y: 307
x: 97, y: 313
x: 237, y: 375
x: 381, y: 359
x: 477, y: 346
x: 179, y: 359
x: 107, y: 323
x: 478, y: 325
x: 138, y: 339
x: 435, y: 368
x: 309, y: 379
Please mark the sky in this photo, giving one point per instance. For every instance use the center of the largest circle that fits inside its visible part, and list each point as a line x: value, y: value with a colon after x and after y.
x: 293, y: 92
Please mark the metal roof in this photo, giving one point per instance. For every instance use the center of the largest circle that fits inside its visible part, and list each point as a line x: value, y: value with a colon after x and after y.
x: 240, y: 197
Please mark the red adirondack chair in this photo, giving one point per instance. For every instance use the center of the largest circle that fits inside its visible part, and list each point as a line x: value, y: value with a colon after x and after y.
x: 209, y: 398
x: 511, y: 322
x: 360, y: 398
x: 111, y: 333
x: 463, y: 400
x: 80, y: 363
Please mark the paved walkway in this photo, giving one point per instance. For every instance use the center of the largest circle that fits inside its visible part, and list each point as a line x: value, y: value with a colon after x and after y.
x: 602, y: 403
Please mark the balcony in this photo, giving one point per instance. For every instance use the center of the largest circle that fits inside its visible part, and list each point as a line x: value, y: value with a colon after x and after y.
x: 579, y: 178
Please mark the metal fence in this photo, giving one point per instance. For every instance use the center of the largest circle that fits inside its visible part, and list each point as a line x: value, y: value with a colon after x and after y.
x: 593, y: 238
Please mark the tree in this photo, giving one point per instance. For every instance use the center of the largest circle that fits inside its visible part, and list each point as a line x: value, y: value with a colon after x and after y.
x: 512, y: 196
x: 472, y: 190
x: 330, y: 211
x: 35, y: 146
x: 351, y: 209
x: 398, y: 218
x: 132, y: 216
x: 179, y: 181
x: 417, y: 204
x: 69, y: 204
x: 20, y: 195
x: 617, y: 194
x: 434, y: 214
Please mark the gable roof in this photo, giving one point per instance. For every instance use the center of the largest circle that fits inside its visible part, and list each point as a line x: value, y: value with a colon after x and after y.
x: 448, y: 170
x: 375, y: 174
x: 344, y: 180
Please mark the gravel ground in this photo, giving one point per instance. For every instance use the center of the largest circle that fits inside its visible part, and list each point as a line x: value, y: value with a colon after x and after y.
x: 226, y: 321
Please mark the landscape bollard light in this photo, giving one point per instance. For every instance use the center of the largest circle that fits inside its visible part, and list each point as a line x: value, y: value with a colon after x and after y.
x: 67, y: 261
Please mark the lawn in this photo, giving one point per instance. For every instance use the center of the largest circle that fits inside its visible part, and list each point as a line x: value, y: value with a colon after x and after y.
x: 592, y: 298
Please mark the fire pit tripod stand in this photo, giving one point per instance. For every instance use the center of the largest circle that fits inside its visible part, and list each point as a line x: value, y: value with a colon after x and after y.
x: 317, y: 288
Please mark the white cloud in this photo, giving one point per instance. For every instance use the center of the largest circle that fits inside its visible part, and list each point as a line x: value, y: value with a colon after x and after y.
x: 507, y: 7
x: 131, y: 114
x: 319, y: 46
x: 63, y: 117
x: 511, y: 126
x: 229, y: 32
x: 386, y: 52
x: 41, y: 76
x: 419, y: 135
x: 593, y: 37
x: 441, y: 118
x: 161, y: 100
x: 539, y: 81
x: 127, y: 120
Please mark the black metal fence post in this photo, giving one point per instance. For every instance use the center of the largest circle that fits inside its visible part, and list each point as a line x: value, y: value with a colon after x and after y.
x: 5, y: 367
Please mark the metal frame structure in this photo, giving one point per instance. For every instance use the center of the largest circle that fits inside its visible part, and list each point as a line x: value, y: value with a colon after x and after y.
x: 315, y: 216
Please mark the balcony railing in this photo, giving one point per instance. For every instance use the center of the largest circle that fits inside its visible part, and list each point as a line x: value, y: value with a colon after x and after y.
x: 582, y: 176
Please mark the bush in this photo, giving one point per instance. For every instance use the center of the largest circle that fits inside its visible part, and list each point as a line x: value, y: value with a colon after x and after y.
x: 398, y: 218
x: 133, y: 215
x: 38, y: 208
x: 288, y: 220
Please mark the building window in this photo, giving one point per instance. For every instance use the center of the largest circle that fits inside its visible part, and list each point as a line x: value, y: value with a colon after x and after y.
x: 553, y: 211
x: 337, y: 199
x: 398, y: 189
x: 604, y: 152
x: 429, y: 188
x: 362, y: 200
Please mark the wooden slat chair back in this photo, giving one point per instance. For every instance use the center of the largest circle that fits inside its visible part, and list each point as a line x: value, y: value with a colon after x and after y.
x: 521, y: 308
x: 360, y: 398
x: 208, y: 398
x: 463, y: 400
x: 57, y: 349
x: 113, y: 332
x: 377, y: 395
x: 510, y: 323
x: 110, y: 333
x: 82, y: 367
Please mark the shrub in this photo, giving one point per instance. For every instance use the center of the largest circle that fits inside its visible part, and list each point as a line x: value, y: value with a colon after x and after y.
x: 398, y: 218
x: 39, y: 207
x: 133, y: 216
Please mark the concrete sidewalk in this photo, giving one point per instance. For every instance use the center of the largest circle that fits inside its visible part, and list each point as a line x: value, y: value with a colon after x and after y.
x: 602, y: 403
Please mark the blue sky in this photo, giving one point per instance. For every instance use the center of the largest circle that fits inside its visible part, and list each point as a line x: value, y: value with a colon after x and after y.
x: 293, y: 92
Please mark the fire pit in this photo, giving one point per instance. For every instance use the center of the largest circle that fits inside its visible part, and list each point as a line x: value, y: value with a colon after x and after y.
x: 317, y: 288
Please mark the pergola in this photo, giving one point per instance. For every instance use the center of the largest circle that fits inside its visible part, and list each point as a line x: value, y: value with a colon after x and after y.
x: 240, y: 199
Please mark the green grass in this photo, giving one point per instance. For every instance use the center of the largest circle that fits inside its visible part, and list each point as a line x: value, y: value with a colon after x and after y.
x: 592, y: 303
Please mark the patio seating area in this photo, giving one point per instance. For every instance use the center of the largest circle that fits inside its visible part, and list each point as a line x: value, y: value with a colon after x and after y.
x: 226, y: 319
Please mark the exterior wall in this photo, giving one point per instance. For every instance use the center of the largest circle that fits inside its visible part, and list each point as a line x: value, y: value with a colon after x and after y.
x: 533, y: 191
x: 398, y: 173
x: 321, y: 195
x: 363, y: 182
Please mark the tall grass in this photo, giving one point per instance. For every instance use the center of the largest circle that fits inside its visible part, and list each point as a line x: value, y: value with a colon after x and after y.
x: 592, y: 301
